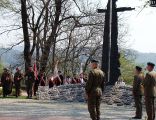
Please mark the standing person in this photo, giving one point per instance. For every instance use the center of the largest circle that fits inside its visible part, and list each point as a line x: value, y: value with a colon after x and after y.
x: 17, y: 81
x: 67, y: 80
x: 40, y: 81
x: 137, y: 91
x: 30, y: 79
x: 150, y: 90
x: 81, y: 78
x: 6, y: 81
x: 94, y: 88
x: 51, y: 83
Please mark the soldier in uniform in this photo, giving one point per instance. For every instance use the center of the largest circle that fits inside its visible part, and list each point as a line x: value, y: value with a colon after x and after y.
x: 137, y: 91
x: 30, y: 79
x: 17, y: 81
x: 94, y: 88
x: 6, y: 81
x: 150, y: 90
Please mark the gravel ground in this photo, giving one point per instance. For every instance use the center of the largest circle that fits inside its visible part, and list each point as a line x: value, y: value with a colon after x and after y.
x: 23, y: 109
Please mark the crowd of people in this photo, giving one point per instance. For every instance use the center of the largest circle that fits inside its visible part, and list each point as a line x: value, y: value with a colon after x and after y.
x: 144, y: 84
x: 32, y: 81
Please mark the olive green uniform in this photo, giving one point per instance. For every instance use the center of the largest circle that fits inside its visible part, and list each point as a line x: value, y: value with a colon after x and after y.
x: 150, y: 94
x: 94, y: 89
x: 30, y: 82
x: 17, y: 81
x: 137, y: 93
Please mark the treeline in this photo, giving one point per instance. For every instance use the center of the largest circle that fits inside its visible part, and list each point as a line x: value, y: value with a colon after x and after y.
x: 69, y: 32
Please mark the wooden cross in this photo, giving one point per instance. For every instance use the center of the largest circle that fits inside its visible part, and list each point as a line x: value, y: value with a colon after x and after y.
x: 110, y: 53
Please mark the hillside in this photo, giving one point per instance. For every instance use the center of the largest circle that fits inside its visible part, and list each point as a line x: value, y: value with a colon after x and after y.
x: 11, y: 57
x: 143, y: 58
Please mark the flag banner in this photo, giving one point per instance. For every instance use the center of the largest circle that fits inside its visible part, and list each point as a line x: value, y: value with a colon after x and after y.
x: 35, y: 71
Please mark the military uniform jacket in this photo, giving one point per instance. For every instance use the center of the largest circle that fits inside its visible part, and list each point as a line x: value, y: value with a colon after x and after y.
x: 137, y: 83
x: 95, y: 83
x: 30, y: 76
x: 150, y: 84
x: 17, y: 77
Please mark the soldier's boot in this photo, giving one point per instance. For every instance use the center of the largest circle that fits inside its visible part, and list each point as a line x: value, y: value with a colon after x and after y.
x: 16, y: 93
x: 30, y: 94
x: 4, y: 96
x: 4, y: 93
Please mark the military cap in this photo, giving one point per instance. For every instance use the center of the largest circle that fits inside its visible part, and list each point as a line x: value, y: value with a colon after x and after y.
x: 94, y: 61
x: 138, y: 68
x: 150, y: 64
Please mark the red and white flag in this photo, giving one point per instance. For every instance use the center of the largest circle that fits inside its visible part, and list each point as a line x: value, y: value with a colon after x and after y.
x: 35, y: 71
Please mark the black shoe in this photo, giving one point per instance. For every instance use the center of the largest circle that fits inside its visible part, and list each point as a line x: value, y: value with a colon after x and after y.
x: 136, y: 118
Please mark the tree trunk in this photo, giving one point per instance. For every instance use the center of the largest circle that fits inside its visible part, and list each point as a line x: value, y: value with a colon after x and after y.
x: 27, y: 55
x: 52, y: 39
x: 53, y: 55
x: 37, y: 54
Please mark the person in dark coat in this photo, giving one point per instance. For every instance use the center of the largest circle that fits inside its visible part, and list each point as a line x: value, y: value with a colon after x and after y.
x: 7, y: 83
x: 30, y: 80
x: 51, y: 83
x: 40, y: 81
x: 57, y: 81
x: 138, y: 92
x: 18, y: 76
x: 150, y: 91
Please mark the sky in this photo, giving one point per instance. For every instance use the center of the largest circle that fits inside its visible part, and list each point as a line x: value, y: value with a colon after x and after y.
x: 141, y: 27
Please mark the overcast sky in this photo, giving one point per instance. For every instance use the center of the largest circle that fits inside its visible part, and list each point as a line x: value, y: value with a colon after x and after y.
x: 142, y: 27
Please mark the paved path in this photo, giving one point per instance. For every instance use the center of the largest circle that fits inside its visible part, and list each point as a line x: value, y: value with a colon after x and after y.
x: 15, y: 109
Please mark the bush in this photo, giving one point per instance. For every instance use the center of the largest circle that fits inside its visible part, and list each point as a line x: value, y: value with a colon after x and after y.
x: 127, y: 68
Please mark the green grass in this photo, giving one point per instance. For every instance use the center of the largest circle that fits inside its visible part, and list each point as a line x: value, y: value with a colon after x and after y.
x: 12, y: 95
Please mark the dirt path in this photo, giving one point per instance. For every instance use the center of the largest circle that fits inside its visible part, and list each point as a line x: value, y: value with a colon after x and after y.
x: 22, y: 109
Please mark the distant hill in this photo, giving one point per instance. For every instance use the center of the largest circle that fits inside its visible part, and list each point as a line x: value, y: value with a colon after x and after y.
x: 143, y: 58
x: 11, y: 57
